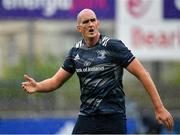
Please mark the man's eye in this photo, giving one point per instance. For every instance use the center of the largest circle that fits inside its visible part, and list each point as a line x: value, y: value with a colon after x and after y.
x: 93, y: 20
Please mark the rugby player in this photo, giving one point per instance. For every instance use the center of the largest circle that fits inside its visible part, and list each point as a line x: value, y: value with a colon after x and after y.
x: 99, y: 61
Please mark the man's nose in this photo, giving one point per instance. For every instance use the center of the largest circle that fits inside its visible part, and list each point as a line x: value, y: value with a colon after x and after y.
x: 90, y: 23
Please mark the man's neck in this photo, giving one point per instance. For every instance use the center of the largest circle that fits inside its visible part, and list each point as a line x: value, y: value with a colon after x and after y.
x: 91, y: 42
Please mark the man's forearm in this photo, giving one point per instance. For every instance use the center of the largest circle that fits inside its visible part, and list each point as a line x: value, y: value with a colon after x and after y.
x: 151, y: 89
x: 54, y: 82
x: 47, y: 85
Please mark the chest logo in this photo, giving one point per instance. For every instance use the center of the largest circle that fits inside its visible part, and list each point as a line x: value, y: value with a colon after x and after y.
x: 101, y: 54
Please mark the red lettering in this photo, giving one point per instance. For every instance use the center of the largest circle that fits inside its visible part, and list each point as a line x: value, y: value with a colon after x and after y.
x: 136, y: 37
x: 160, y: 39
x: 92, y: 4
x: 149, y: 39
x: 164, y: 40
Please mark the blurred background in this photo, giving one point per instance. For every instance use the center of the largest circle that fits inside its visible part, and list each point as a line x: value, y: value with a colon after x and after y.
x: 35, y: 36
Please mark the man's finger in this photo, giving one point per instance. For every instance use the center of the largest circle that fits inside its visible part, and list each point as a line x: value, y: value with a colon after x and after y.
x: 170, y: 124
x: 167, y: 124
x: 172, y: 120
x: 27, y: 78
x: 23, y: 86
x: 24, y: 83
x: 160, y: 122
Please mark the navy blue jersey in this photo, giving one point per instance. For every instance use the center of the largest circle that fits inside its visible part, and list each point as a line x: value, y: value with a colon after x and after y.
x: 100, y: 72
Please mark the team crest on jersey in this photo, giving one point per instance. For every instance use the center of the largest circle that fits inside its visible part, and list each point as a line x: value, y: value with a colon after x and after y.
x: 101, y: 54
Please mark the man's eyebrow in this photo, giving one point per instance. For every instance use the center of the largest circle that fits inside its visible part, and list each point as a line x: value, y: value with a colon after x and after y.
x: 86, y: 21
x: 93, y: 19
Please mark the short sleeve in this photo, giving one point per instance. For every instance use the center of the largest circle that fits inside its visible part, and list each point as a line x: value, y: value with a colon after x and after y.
x: 120, y: 53
x: 68, y: 64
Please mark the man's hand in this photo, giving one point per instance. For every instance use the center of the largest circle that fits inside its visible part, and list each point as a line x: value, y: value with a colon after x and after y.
x: 30, y: 85
x: 165, y: 118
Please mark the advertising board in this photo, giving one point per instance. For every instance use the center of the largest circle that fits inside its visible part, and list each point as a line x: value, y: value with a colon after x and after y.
x: 54, y: 9
x: 149, y: 29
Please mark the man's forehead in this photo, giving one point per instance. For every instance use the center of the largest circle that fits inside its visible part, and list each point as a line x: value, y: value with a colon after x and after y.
x: 86, y: 14
x: 87, y: 18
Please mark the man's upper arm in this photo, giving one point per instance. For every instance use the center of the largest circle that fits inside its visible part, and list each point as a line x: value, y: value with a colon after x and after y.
x: 136, y: 68
x: 68, y: 64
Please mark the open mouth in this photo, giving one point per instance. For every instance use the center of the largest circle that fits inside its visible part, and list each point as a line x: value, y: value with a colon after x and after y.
x: 91, y: 30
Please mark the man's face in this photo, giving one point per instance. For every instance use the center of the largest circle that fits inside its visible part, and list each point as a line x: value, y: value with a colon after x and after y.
x: 88, y: 25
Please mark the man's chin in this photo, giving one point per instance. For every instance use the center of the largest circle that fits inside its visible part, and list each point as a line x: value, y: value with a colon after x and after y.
x: 91, y: 35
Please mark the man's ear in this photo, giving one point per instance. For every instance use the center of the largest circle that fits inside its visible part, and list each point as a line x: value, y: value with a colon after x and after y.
x: 78, y: 28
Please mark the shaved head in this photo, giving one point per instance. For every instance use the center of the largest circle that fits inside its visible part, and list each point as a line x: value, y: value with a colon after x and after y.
x: 84, y: 13
x: 88, y: 26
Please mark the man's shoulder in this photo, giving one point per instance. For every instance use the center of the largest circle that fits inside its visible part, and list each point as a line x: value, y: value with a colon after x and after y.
x: 104, y: 40
x: 75, y: 47
x: 78, y: 44
x: 113, y: 43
